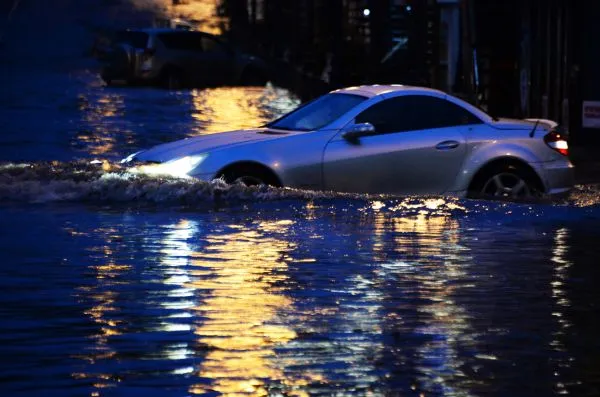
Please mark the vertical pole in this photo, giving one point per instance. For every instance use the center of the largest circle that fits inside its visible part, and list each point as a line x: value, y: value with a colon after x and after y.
x: 548, y: 61
x: 566, y: 60
x: 558, y: 62
x: 466, y: 45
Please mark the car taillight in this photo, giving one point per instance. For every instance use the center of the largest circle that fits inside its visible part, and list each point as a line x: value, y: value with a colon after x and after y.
x: 557, y: 142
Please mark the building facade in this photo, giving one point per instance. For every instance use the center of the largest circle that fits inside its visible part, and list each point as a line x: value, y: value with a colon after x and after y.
x: 519, y: 58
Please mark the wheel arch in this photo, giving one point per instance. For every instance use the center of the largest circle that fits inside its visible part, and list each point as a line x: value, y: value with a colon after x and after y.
x: 255, y: 166
x: 506, y: 161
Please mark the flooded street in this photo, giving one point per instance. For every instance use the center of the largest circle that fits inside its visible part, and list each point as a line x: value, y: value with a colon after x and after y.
x: 118, y: 285
x: 122, y: 285
x: 299, y: 297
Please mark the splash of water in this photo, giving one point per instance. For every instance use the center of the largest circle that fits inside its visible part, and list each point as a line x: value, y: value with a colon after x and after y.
x: 104, y: 182
x: 81, y: 181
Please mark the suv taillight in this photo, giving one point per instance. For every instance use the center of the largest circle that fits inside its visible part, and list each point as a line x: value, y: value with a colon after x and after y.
x: 557, y: 142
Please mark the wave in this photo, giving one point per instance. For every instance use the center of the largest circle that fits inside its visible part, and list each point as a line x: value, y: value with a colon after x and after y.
x: 105, y: 182
x: 81, y: 181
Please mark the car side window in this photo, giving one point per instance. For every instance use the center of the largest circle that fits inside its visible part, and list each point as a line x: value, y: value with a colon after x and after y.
x: 389, y: 115
x: 441, y: 113
x: 415, y: 112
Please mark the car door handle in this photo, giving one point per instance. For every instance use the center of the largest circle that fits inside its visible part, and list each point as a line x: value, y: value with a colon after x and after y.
x: 447, y: 145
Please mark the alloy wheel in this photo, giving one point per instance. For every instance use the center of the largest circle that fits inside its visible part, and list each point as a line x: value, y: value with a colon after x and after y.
x: 507, y: 185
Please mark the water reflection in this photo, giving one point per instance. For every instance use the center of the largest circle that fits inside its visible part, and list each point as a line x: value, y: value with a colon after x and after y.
x: 116, y: 121
x: 238, y: 279
x: 231, y: 108
x: 433, y: 271
x: 562, y: 362
x: 99, y: 112
x: 373, y: 296
x: 203, y: 12
x: 233, y: 290
x: 105, y: 311
x: 179, y: 300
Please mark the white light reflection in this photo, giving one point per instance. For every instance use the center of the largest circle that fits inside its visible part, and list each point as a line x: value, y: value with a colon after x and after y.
x: 431, y: 233
x: 562, y: 304
x: 183, y: 371
x: 176, y: 253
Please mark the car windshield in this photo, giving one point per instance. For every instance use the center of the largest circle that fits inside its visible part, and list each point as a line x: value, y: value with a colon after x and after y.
x: 318, y: 113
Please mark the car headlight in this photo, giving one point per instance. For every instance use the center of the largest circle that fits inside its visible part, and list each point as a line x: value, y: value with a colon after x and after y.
x: 178, y: 168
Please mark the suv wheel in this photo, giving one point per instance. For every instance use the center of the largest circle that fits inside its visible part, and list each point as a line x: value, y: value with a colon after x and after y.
x: 171, y: 79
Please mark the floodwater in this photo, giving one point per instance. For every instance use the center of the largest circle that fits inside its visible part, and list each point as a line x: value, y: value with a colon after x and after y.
x: 121, y: 285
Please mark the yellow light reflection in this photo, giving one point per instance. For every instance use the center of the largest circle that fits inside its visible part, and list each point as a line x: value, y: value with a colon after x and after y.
x: 203, y: 12
x: 104, y: 307
x: 240, y: 312
x: 97, y: 112
x: 228, y: 108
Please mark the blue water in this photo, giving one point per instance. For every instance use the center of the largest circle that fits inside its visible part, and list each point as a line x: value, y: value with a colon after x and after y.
x: 298, y: 297
x: 113, y: 284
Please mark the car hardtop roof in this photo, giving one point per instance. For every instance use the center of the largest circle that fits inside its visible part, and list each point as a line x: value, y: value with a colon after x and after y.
x: 370, y: 91
x: 378, y: 89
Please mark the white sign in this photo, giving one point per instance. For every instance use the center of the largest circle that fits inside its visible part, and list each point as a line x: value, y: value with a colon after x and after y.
x: 591, y: 114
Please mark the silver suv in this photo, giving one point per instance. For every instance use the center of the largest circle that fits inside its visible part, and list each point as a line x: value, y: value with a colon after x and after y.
x: 175, y: 58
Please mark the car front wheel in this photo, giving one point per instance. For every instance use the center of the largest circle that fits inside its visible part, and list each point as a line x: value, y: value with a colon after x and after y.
x: 249, y: 180
x: 250, y: 175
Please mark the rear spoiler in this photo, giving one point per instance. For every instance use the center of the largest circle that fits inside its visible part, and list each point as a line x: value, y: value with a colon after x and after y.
x: 551, y: 125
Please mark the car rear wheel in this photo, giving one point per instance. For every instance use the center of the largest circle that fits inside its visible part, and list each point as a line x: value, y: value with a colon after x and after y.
x: 506, y: 182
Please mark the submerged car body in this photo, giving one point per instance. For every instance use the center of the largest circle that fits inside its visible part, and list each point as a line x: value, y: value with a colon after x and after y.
x: 381, y: 139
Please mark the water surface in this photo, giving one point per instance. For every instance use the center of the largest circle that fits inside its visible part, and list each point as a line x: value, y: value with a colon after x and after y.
x: 121, y: 285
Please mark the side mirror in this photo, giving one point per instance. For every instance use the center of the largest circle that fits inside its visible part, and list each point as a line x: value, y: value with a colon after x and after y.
x: 355, y: 131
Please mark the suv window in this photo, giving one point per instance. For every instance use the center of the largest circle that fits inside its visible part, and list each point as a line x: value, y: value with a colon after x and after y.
x: 188, y: 41
x: 134, y: 39
x: 415, y: 112
x: 211, y: 45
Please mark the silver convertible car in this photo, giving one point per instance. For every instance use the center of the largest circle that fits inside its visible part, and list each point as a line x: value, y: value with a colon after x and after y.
x: 389, y: 139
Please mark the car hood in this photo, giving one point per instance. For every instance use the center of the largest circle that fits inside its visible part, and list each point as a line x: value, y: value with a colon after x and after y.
x: 205, y: 143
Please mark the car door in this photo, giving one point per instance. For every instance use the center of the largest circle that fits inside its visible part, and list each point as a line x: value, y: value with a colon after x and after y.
x: 418, y: 147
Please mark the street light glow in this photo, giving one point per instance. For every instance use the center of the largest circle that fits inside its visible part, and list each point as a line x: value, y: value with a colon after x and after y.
x: 366, y: 12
